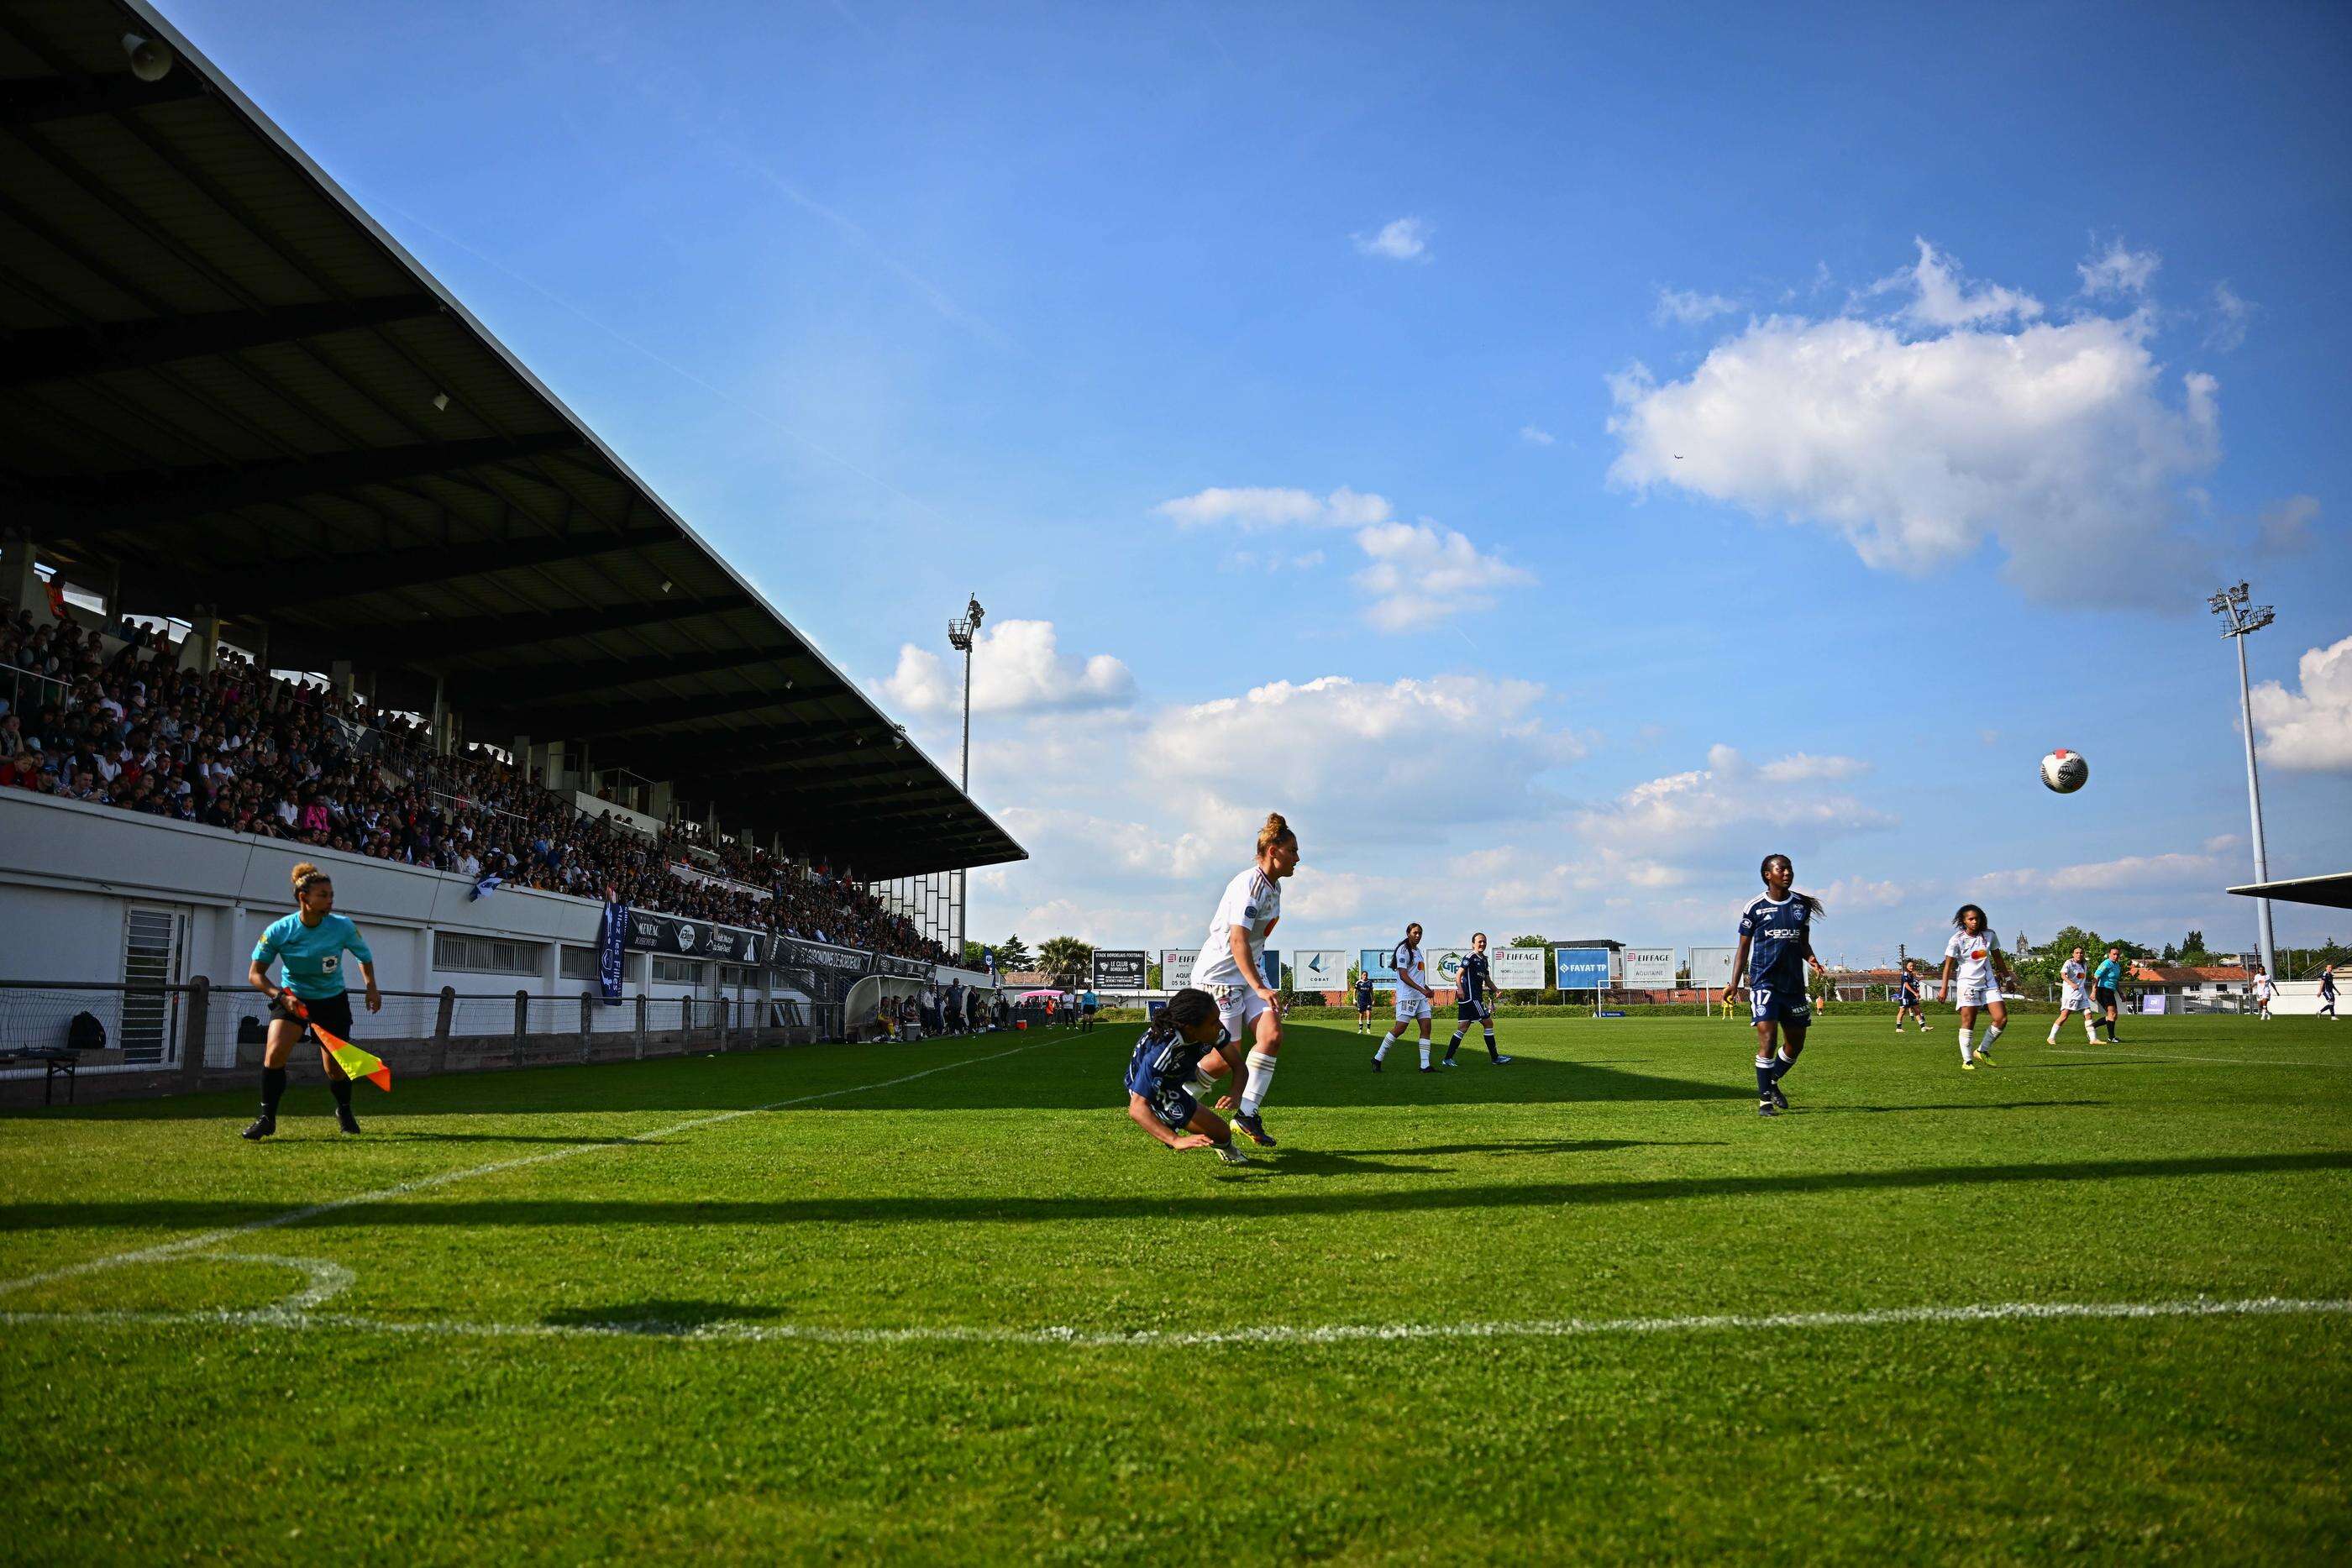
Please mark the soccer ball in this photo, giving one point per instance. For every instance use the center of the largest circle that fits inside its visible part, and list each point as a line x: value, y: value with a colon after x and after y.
x: 2065, y: 771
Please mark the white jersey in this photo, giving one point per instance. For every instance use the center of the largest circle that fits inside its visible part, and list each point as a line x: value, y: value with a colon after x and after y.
x: 1972, y: 959
x: 1252, y: 901
x: 1410, y: 963
x: 2078, y: 977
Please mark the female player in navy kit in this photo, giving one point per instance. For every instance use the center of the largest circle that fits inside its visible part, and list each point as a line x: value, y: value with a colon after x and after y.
x: 1776, y: 944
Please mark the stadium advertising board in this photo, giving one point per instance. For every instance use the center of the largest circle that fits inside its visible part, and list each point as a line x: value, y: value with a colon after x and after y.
x: 1517, y: 968
x: 799, y: 954
x: 1445, y: 967
x: 1711, y: 967
x: 1650, y: 969
x: 904, y: 969
x: 696, y: 939
x: 1375, y: 963
x: 1581, y: 968
x: 1121, y: 968
x: 611, y: 941
x: 1319, y: 969
x: 1176, y: 967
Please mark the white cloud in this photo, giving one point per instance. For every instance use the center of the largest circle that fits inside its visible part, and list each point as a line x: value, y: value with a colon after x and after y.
x: 1861, y: 892
x: 1259, y: 506
x: 2054, y: 440
x: 1942, y: 297
x: 1400, y: 239
x: 1017, y: 669
x: 2130, y: 873
x: 1534, y: 437
x: 2227, y: 318
x: 1690, y: 307
x: 2286, y: 526
x: 2118, y: 270
x: 2310, y: 730
x: 1732, y: 799
x: 1420, y: 574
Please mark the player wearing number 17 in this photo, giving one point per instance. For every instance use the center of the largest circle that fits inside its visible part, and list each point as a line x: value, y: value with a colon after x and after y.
x: 1775, y: 944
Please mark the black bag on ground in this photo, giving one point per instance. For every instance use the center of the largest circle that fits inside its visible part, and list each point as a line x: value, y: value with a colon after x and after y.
x: 85, y: 1033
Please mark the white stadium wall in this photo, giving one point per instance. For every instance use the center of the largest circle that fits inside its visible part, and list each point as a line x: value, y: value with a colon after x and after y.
x: 72, y: 876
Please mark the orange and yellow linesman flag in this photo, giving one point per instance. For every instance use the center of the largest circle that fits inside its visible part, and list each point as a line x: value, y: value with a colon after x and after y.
x: 355, y: 1062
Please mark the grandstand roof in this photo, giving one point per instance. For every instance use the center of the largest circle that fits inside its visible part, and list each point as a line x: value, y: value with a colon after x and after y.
x: 222, y: 383
x: 2332, y: 892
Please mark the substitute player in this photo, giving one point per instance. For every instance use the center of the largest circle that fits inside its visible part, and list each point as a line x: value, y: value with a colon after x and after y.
x: 1776, y: 945
x: 1474, y: 1001
x: 1907, y: 998
x: 310, y: 943
x: 1230, y: 966
x: 1974, y: 955
x: 1179, y: 1058
x: 1363, y: 1003
x: 2076, y: 998
x: 2107, y: 984
x: 1414, y: 998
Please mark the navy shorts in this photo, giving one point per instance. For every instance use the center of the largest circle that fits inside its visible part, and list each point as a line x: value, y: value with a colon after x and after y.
x: 1472, y: 1012
x: 1766, y: 1004
x: 1174, y: 1107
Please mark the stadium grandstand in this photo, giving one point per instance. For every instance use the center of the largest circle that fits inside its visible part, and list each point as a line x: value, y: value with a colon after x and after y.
x: 296, y: 556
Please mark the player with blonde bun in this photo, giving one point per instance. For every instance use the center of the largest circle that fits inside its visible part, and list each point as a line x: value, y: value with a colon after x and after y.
x: 1230, y: 966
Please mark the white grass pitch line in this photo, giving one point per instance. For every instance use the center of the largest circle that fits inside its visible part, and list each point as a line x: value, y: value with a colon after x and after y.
x: 286, y: 1317
x: 210, y: 1239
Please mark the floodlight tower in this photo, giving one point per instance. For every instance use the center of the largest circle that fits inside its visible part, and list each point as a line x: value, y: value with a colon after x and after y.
x: 962, y: 635
x: 2241, y: 617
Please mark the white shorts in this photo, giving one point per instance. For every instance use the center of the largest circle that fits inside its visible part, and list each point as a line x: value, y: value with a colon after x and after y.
x: 1239, y: 1009
x: 1975, y: 995
x: 1411, y: 1005
x: 2077, y: 1001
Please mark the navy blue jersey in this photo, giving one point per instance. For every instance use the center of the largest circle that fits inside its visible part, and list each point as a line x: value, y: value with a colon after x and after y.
x: 1163, y: 1061
x: 1779, y: 935
x: 1910, y: 988
x: 1364, y: 992
x: 1476, y: 983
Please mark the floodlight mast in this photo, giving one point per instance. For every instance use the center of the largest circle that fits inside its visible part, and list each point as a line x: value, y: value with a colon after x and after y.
x: 962, y: 635
x: 2241, y: 617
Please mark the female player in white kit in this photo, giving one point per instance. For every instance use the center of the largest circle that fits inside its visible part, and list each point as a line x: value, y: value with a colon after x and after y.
x: 1975, y: 953
x: 2076, y: 998
x: 1230, y: 966
x: 1413, y: 997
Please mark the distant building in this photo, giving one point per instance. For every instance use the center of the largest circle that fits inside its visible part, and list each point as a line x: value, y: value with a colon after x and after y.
x: 2190, y: 988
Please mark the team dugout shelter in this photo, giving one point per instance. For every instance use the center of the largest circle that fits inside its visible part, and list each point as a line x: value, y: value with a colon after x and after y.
x: 229, y: 398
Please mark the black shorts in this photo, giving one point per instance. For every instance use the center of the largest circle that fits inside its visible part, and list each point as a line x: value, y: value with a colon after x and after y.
x: 330, y: 1013
x: 2105, y: 996
x: 1472, y: 1012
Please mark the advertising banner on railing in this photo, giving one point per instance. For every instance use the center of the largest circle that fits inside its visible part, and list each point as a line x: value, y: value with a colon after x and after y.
x: 1176, y: 967
x: 1517, y: 968
x: 1445, y: 967
x: 611, y: 941
x: 1650, y: 969
x: 793, y: 952
x: 1376, y: 962
x: 1319, y: 969
x: 1121, y: 968
x: 904, y: 969
x: 668, y: 933
x: 1581, y: 968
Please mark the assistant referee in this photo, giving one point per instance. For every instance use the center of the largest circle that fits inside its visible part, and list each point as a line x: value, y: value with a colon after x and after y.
x: 311, y: 943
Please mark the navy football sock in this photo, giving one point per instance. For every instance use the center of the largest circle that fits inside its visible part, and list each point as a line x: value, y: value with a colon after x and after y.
x: 1764, y: 1076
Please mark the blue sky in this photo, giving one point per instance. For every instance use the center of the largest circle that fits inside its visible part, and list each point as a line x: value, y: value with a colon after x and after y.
x: 1610, y: 448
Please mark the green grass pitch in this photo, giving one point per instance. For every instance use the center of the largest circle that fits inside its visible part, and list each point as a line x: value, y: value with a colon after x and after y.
x: 944, y: 1302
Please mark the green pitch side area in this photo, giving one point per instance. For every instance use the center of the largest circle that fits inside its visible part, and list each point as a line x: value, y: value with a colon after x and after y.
x: 943, y: 1302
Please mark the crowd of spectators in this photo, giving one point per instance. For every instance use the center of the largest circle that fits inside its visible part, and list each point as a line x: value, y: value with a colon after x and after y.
x: 115, y: 721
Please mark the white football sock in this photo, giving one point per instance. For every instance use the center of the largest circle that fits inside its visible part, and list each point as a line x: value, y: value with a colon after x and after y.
x: 1425, y: 1050
x: 2090, y: 1031
x: 1964, y: 1042
x: 1261, y: 1079
x: 1990, y: 1035
x: 1387, y: 1040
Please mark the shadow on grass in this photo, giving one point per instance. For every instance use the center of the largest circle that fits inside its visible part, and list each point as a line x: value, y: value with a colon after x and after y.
x: 1320, y: 1067
x: 969, y: 1210
x: 1908, y: 1110
x: 659, y: 1317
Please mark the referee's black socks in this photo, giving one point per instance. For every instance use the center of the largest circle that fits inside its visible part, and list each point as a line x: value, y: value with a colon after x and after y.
x: 273, y: 1087
x: 341, y: 1090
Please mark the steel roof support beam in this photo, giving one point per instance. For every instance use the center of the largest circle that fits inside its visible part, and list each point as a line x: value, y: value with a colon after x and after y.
x: 62, y: 353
